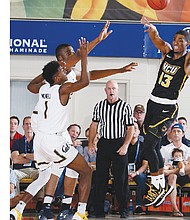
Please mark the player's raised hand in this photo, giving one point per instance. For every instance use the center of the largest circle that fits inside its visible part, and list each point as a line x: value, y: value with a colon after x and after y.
x: 83, y: 47
x: 149, y: 27
x: 129, y: 67
x: 105, y: 33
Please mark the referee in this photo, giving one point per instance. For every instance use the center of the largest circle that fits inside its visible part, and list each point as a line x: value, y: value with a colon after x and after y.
x: 114, y: 119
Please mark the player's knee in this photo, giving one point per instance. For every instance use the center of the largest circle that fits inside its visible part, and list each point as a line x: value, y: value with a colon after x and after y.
x: 42, y: 179
x: 87, y: 171
x: 160, y: 130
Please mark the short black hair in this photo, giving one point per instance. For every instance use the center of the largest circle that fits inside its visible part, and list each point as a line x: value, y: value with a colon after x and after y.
x: 50, y: 70
x: 185, y: 34
x: 59, y: 48
x: 15, y: 117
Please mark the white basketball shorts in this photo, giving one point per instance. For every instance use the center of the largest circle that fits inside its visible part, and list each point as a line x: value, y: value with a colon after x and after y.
x: 53, y: 148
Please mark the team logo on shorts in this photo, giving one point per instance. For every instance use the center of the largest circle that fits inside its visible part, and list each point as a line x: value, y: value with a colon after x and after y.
x: 164, y: 129
x: 66, y: 147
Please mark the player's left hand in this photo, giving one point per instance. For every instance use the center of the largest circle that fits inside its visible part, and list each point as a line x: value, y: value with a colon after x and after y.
x: 129, y: 67
x: 104, y: 33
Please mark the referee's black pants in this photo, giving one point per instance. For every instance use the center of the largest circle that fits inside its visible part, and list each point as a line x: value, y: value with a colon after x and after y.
x: 106, y: 156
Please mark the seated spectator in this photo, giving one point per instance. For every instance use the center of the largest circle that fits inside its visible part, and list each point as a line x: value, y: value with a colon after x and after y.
x: 22, y: 155
x: 138, y: 174
x: 90, y: 158
x: 173, y: 178
x: 177, y: 161
x: 12, y: 183
x: 14, y: 134
x: 75, y: 131
x: 139, y: 114
x: 183, y: 122
x: 167, y: 139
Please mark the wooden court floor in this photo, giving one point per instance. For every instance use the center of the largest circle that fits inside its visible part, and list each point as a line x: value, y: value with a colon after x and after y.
x: 33, y: 216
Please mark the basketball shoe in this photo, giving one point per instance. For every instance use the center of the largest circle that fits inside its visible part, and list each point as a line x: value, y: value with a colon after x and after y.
x: 78, y: 216
x: 153, y: 194
x: 46, y: 213
x: 168, y: 189
x: 15, y: 215
x: 65, y: 215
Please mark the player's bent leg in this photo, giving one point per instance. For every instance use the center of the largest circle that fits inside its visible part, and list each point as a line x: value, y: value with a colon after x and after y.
x: 30, y: 192
x: 42, y: 179
x: 70, y: 179
x: 80, y: 166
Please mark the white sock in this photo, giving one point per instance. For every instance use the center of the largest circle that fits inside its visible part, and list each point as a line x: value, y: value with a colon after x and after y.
x: 155, y: 180
x: 20, y: 206
x: 67, y: 200
x: 81, y: 208
x: 48, y: 199
x: 162, y: 181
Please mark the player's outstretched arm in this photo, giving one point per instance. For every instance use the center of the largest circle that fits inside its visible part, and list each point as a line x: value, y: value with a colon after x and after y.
x: 159, y: 43
x: 102, y: 36
x: 98, y: 74
x: 73, y: 59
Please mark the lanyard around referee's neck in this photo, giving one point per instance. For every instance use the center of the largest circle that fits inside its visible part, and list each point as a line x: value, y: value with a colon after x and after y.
x: 137, y: 151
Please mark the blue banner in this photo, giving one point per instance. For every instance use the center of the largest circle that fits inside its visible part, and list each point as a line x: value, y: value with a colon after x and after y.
x: 37, y: 37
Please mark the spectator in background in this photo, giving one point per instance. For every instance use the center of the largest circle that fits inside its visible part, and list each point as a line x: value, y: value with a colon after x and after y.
x: 12, y: 183
x: 90, y: 158
x: 14, y: 134
x: 183, y: 122
x: 177, y: 161
x: 22, y: 155
x: 114, y: 118
x: 139, y: 114
x: 173, y: 177
x: 140, y: 165
x: 75, y: 131
x: 167, y: 139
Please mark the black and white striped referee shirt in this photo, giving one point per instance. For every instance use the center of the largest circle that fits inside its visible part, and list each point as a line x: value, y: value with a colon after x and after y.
x: 113, y: 118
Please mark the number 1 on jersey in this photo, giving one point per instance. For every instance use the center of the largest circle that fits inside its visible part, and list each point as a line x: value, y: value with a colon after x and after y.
x: 46, y: 108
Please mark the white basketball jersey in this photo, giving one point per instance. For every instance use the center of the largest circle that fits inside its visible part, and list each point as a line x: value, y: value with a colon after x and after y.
x: 35, y: 124
x: 71, y: 76
x: 52, y: 115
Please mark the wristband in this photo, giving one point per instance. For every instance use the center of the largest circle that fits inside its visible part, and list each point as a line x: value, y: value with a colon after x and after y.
x: 137, y: 172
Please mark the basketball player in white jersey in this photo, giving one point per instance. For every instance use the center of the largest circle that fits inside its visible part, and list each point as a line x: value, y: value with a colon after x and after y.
x: 67, y: 57
x: 53, y: 150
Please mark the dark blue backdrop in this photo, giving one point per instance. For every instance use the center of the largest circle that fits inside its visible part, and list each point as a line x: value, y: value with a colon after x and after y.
x: 127, y: 39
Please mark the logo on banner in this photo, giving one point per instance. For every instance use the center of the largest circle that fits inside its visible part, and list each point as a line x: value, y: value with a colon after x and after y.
x: 28, y: 46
